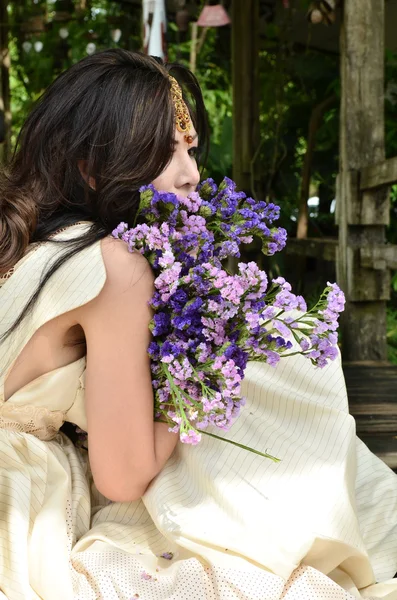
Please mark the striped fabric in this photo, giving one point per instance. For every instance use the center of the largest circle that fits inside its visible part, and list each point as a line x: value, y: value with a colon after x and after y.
x: 218, y: 523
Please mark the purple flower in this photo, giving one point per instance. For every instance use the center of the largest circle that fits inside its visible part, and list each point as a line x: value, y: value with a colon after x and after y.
x: 336, y: 298
x: 170, y: 349
x: 268, y: 313
x: 304, y: 344
x: 272, y: 358
x: 302, y: 306
x: 120, y: 229
x: 207, y: 323
x: 281, y: 327
x: 228, y: 249
x: 282, y: 283
x: 191, y: 437
x: 286, y: 300
x: 271, y: 212
x: 167, y: 282
x: 207, y: 188
x: 154, y: 350
x: 162, y: 323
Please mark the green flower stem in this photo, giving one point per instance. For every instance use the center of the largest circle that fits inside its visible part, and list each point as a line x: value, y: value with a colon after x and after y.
x: 206, y: 390
x: 187, y: 422
x: 295, y: 353
x: 310, y: 324
x: 308, y: 315
x: 319, y: 303
x: 178, y: 396
x: 264, y: 454
x: 296, y: 337
x: 227, y: 441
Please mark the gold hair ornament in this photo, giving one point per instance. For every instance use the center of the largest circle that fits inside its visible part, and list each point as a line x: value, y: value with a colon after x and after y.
x: 182, y: 116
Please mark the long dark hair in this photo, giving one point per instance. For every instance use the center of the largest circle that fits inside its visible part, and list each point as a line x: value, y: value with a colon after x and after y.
x: 112, y: 110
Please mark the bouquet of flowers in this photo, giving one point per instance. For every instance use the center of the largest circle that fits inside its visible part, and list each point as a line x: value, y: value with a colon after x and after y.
x: 208, y: 322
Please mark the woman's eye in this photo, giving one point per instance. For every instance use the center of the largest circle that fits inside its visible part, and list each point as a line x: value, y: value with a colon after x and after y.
x: 194, y: 152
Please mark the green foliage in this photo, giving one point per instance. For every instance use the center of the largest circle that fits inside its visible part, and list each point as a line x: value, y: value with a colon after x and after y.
x: 293, y: 81
x: 39, y: 53
x: 220, y: 157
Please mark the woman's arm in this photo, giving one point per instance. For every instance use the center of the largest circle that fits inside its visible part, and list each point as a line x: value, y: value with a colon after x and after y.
x: 126, y: 447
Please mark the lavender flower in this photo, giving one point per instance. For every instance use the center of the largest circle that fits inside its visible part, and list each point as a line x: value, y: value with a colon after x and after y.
x: 167, y: 555
x: 208, y: 323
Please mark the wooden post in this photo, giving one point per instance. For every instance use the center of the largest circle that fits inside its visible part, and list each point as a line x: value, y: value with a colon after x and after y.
x: 362, y: 216
x: 245, y: 52
x: 193, y: 48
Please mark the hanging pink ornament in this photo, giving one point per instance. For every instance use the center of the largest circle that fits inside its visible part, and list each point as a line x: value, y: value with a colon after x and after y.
x: 213, y: 16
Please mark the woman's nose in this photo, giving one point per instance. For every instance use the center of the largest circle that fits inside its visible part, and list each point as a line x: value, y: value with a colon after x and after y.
x: 195, y: 174
x: 190, y: 175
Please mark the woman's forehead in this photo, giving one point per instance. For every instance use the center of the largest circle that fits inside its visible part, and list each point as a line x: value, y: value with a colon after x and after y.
x: 180, y: 136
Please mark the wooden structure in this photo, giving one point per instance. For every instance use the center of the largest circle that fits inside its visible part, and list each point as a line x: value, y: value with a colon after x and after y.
x: 362, y: 214
x: 245, y: 78
x: 372, y: 391
x: 363, y: 257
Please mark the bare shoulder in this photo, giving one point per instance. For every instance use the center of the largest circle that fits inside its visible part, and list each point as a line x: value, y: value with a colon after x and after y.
x: 124, y: 268
x: 128, y: 287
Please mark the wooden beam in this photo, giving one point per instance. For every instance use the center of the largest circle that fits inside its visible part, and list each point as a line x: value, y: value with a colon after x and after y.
x: 379, y: 257
x: 323, y: 248
x: 362, y: 144
x: 371, y: 389
x: 382, y: 174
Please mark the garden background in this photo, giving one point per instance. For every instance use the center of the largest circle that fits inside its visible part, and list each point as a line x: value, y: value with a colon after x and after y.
x: 298, y: 91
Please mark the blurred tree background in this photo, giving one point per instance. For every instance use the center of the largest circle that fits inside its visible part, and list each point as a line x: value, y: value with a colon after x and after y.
x: 296, y: 161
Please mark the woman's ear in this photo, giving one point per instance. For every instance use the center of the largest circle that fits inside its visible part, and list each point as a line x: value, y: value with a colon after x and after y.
x: 83, y: 168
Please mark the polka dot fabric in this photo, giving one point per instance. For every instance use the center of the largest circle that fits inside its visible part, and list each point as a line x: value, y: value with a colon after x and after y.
x: 306, y: 582
x: 123, y: 577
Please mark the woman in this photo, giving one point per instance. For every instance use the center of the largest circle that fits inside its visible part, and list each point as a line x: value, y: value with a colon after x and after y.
x: 215, y: 522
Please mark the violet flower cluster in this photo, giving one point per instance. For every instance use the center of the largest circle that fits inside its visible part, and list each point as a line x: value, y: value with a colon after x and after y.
x: 207, y: 322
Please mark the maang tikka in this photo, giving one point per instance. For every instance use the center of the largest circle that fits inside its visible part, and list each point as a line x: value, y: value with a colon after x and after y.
x: 182, y: 116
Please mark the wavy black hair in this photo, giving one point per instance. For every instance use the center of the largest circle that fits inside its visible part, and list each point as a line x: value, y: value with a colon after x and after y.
x: 114, y: 111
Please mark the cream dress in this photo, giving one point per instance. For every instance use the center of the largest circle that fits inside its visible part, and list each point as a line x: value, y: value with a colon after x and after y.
x: 218, y: 523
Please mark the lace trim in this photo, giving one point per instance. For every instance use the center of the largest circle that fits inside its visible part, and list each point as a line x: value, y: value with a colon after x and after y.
x: 10, y: 272
x: 7, y: 275
x: 38, y: 421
